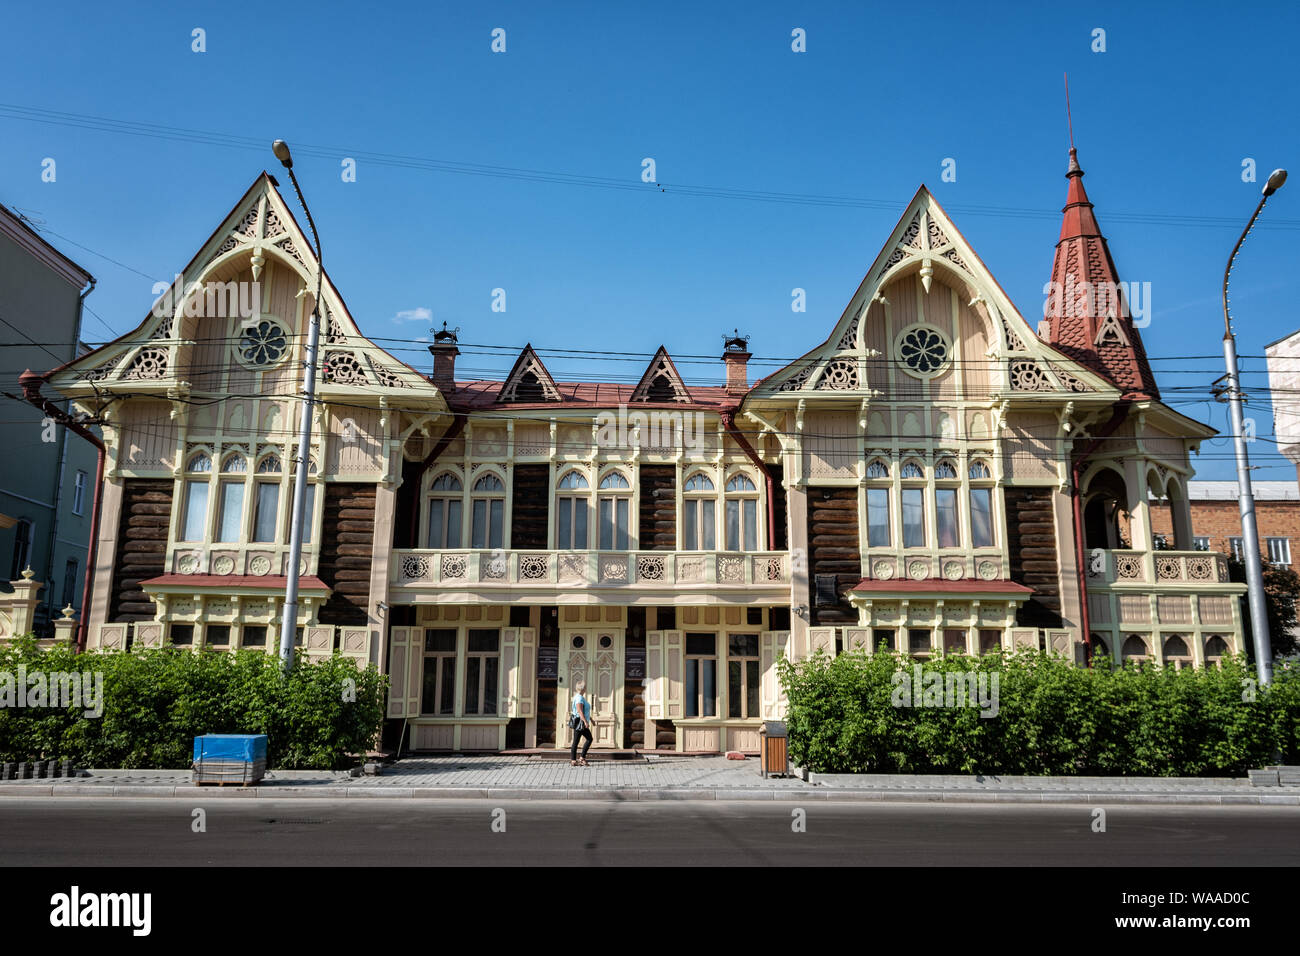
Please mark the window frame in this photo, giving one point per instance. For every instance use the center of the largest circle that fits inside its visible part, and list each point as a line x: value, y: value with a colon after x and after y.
x: 445, y: 496
x: 748, y: 537
x: 494, y: 512
x: 445, y: 663
x: 699, y: 532
x: 79, y: 483
x: 611, y: 499
x: 698, y: 661
x: 572, y: 489
x: 481, y: 690
x: 738, y: 698
x: 1283, y: 545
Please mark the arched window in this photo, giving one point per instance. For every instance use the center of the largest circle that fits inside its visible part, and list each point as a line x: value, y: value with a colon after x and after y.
x: 913, y: 506
x: 194, y: 515
x: 741, y: 514
x: 699, y: 514
x: 446, y: 512
x: 615, y: 504
x: 1134, y: 648
x: 877, y: 469
x: 266, y: 503
x: 947, y: 521
x: 489, y: 504
x: 1176, y: 651
x: 1216, y: 649
x: 230, y: 505
x: 1100, y: 648
x: 235, y: 464
x: 981, y: 505
x: 270, y: 465
x: 945, y: 469
x: 571, y: 513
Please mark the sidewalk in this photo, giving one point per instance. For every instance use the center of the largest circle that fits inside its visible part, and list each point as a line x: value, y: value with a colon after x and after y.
x: 665, y: 777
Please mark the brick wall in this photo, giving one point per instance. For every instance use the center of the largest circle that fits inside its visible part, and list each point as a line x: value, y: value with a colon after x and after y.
x: 1221, y: 520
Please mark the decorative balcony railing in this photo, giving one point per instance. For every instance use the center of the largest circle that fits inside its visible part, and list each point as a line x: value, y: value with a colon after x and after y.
x: 1157, y: 567
x: 596, y: 569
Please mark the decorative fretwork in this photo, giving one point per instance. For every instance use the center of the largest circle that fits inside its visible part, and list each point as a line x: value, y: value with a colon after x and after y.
x: 1128, y: 566
x: 1069, y: 381
x: 799, y: 379
x: 273, y: 225
x: 1168, y: 569
x: 895, y: 257
x: 230, y: 243
x: 612, y: 569
x: 386, y: 376
x: 453, y: 567
x: 769, y: 569
x: 573, y: 567
x: 533, y: 567
x: 334, y: 335
x: 958, y: 261
x: 101, y: 372
x: 1028, y: 376
x: 248, y: 225
x: 292, y: 250
x: 492, y: 567
x: 731, y: 570
x: 650, y: 567
x: 841, y: 373
x: 342, y: 368
x: 849, y: 340
x: 150, y: 364
x: 912, y: 234
x: 529, y: 381
x: 661, y: 383
x: 263, y: 344
x: 1014, y: 343
x: 923, y: 351
x: 1200, y: 569
x: 937, y: 238
x: 690, y: 569
x: 164, y: 330
x: 414, y: 568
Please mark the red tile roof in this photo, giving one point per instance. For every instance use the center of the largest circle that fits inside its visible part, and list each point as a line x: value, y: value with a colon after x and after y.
x: 941, y: 586
x: 1083, y: 262
x: 470, y: 396
x: 266, y: 582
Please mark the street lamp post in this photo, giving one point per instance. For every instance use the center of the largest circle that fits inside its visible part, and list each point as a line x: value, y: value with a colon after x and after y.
x: 289, y: 625
x: 1249, y: 531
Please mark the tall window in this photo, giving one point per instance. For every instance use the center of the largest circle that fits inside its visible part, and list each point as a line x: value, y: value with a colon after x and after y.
x: 701, y: 675
x: 919, y: 641
x: 1279, y: 550
x: 194, y: 517
x: 742, y: 675
x: 571, y: 513
x: 878, y: 505
x: 445, y: 506
x: 69, y: 582
x: 698, y: 514
x: 23, y: 531
x: 742, y: 514
x: 439, y: 694
x: 981, y: 505
x: 308, y: 512
x: 1235, y: 545
x: 266, y: 506
x: 946, y: 520
x: 482, y: 663
x: 614, y: 500
x: 913, y: 505
x: 79, y: 495
x: 489, y: 504
x: 230, y: 518
x: 1201, y: 543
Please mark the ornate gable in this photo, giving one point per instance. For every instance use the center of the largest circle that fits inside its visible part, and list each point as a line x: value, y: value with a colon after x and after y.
x: 661, y: 381
x: 528, y: 381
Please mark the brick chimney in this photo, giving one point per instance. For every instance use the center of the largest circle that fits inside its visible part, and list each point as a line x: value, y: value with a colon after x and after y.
x: 444, y: 358
x: 736, y: 356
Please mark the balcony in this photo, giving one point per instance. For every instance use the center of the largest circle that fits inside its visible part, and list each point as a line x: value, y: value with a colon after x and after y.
x: 568, y: 577
x: 1156, y: 567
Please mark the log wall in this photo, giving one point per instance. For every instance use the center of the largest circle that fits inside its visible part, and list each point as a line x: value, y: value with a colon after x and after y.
x: 347, y: 547
x: 833, y: 549
x: 1031, y: 540
x: 658, y: 508
x: 528, y: 508
x: 141, y: 546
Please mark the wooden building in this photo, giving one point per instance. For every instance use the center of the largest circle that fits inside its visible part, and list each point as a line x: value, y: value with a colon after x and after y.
x: 936, y: 476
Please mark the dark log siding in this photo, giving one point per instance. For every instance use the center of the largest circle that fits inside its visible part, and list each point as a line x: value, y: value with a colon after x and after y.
x: 547, y: 690
x: 1031, y: 540
x: 347, y: 549
x: 634, y: 722
x: 528, y: 508
x: 779, y: 519
x: 833, y: 550
x: 141, y: 546
x: 658, y: 508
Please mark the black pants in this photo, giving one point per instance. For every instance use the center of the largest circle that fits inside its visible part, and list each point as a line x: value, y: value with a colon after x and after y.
x: 573, y: 750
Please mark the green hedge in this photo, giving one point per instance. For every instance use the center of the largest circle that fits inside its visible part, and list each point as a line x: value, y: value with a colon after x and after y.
x: 156, y: 701
x: 1052, y: 718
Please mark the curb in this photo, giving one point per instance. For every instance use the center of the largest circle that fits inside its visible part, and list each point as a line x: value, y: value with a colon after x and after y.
x: 631, y: 794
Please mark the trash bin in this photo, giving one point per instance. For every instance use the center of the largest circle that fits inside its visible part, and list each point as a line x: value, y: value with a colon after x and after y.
x: 774, y: 758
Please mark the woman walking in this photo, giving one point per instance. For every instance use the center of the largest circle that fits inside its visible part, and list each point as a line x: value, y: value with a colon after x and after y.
x: 580, y: 722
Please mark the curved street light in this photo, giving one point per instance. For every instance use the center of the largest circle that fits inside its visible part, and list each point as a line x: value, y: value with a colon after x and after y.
x: 289, y: 624
x: 1249, y: 530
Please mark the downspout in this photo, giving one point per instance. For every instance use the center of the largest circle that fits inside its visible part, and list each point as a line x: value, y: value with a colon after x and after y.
x: 31, y: 385
x: 1080, y: 549
x: 729, y: 423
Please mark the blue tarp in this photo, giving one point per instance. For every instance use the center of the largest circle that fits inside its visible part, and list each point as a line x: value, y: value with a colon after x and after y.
x: 245, y: 747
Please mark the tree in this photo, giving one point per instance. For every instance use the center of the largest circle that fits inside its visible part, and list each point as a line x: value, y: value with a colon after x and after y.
x: 1281, y: 600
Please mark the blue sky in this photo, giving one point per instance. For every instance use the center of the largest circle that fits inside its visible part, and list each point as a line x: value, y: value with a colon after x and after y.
x: 714, y: 94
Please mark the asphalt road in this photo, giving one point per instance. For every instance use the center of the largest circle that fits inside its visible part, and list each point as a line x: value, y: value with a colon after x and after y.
x: 70, y: 831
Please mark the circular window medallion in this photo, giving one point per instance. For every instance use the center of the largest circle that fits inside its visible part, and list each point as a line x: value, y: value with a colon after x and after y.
x: 262, y: 344
x: 923, y: 351
x: 579, y: 642
x: 606, y: 642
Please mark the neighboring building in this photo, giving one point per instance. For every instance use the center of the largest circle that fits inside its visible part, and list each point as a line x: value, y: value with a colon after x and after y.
x: 1216, y: 518
x: 934, y: 476
x: 1283, y: 358
x: 47, y: 475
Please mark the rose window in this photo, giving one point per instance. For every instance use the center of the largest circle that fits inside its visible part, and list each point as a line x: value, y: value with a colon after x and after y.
x: 262, y: 344
x: 924, y: 351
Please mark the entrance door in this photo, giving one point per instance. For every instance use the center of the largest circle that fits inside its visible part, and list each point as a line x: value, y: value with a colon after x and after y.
x: 595, y: 655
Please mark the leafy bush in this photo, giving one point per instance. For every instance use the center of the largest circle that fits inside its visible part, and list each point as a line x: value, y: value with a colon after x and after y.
x: 156, y: 701
x: 1052, y: 718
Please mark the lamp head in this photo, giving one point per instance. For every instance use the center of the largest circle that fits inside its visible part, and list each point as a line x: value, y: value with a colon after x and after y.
x: 1275, y: 180
x: 281, y: 150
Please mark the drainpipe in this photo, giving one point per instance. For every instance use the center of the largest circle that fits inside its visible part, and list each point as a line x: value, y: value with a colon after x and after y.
x: 31, y: 385
x: 729, y: 423
x: 1080, y: 549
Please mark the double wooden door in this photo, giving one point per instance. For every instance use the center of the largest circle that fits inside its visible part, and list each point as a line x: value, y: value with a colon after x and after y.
x: 595, y: 655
